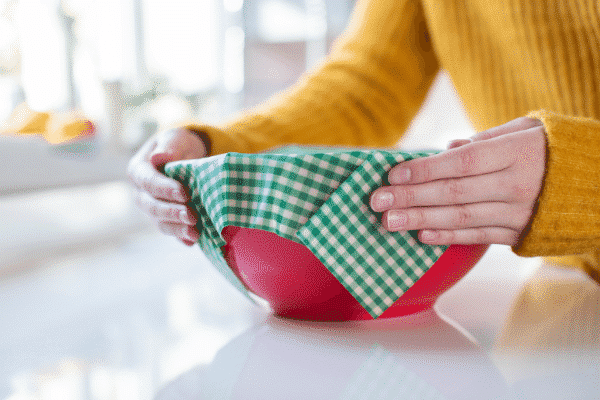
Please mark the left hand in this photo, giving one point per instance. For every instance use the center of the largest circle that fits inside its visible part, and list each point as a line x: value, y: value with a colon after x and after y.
x: 480, y: 191
x: 164, y: 199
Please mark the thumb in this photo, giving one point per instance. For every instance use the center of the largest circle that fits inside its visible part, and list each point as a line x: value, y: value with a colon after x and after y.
x: 516, y: 125
x: 165, y: 150
x: 159, y: 157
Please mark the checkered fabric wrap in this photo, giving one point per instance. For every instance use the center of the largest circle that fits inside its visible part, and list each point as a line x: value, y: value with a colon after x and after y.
x: 316, y: 198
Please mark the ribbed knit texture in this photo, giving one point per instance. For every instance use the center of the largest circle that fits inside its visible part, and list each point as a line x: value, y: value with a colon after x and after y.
x: 507, y: 58
x: 568, y: 216
x: 366, y: 94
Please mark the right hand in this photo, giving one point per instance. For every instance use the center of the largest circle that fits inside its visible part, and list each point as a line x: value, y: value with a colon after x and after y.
x: 164, y: 199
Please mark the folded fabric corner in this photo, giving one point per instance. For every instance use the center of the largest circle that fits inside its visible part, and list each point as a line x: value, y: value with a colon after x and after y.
x: 374, y: 265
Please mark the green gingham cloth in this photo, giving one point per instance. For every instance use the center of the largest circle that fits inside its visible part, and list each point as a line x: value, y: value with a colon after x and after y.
x: 318, y: 198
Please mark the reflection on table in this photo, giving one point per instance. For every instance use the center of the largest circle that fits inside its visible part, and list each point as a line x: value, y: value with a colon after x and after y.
x: 550, y: 346
x: 421, y: 357
x: 547, y: 350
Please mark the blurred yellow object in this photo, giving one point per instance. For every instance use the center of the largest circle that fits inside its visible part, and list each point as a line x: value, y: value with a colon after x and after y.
x: 55, y: 128
x: 553, y: 326
x: 67, y: 127
x: 25, y: 121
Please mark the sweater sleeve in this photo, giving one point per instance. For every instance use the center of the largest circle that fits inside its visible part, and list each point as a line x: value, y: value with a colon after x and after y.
x: 567, y: 220
x: 365, y: 93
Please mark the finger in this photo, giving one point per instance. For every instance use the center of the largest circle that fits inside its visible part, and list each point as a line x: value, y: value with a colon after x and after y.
x: 450, y: 218
x: 457, y: 143
x: 482, y: 188
x: 471, y: 159
x: 519, y: 124
x: 184, y: 233
x: 464, y: 159
x: 165, y: 212
x: 147, y: 178
x: 483, y: 235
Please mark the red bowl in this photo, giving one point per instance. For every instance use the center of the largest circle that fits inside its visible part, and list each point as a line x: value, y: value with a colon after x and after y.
x: 297, y: 285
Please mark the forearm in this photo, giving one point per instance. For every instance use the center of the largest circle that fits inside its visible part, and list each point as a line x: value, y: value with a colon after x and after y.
x: 365, y: 94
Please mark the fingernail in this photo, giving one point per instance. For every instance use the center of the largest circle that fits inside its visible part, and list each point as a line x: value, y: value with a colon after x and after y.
x: 429, y: 236
x: 159, y: 157
x: 382, y: 201
x: 399, y: 176
x: 190, y: 234
x: 396, y: 219
x: 184, y: 217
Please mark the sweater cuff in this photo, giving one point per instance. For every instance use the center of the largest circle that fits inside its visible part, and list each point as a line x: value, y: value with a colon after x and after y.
x: 567, y: 220
x: 216, y: 140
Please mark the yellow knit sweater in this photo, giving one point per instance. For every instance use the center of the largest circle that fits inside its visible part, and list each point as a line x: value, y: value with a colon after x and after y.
x: 507, y: 58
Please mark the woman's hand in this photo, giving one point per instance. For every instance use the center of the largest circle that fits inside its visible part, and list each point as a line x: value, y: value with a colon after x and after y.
x: 483, y: 190
x: 162, y: 198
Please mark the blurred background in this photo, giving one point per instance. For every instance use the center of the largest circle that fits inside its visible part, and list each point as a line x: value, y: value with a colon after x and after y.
x: 94, y: 303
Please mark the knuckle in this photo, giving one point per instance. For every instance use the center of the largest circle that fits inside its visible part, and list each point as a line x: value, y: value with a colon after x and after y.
x: 160, y: 211
x: 481, y: 235
x: 521, y: 217
x: 167, y: 213
x: 424, y: 171
x: 146, y: 184
x: 513, y: 238
x: 463, y: 217
x: 165, y: 229
x: 503, y: 184
x: 164, y: 212
x: 173, y: 213
x: 419, y: 218
x: 449, y: 236
x: 153, y: 184
x: 453, y: 190
x: 520, y: 192
x: 406, y: 196
x: 466, y: 160
x: 153, y: 210
x: 508, y: 237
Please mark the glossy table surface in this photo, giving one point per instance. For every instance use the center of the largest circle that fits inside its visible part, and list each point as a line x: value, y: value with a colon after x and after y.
x: 424, y: 356
x: 146, y: 318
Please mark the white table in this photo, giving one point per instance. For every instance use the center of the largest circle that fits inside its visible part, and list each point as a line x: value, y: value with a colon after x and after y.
x: 144, y: 317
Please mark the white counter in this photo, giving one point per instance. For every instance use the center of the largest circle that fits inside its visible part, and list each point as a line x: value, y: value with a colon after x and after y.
x: 144, y: 317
